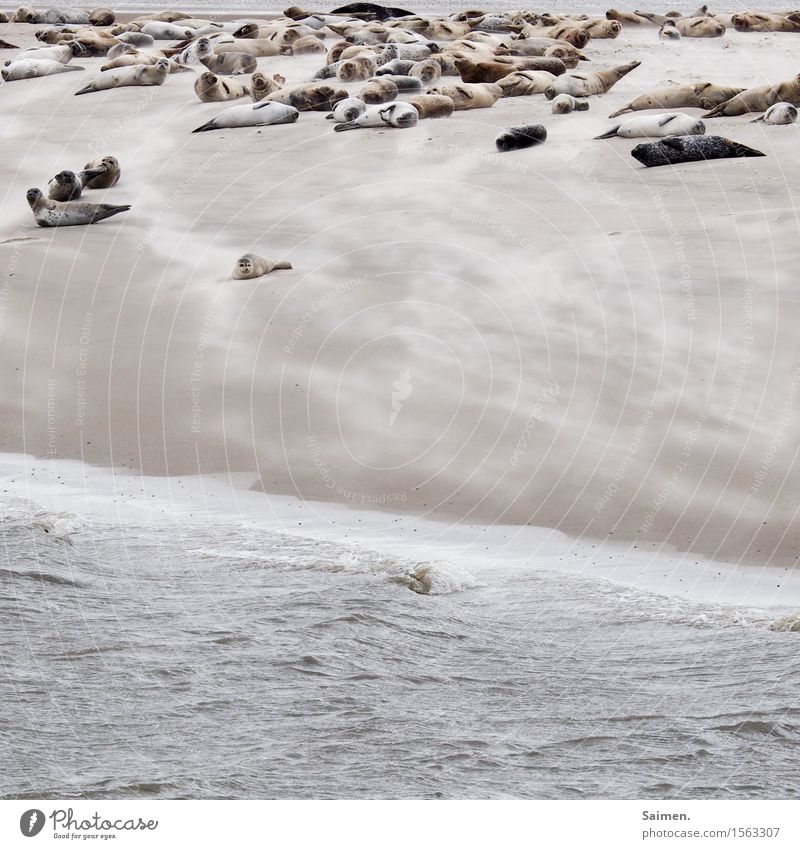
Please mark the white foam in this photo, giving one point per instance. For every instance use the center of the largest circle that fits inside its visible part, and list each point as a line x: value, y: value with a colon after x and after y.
x: 489, y: 555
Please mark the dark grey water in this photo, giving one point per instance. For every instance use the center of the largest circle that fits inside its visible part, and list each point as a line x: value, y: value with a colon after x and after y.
x: 212, y: 661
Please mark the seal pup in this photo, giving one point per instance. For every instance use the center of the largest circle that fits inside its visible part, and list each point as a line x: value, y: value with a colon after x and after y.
x: 680, y: 149
x: 397, y: 66
x: 398, y: 114
x: 102, y: 173
x: 52, y: 213
x: 656, y: 126
x: 229, y: 64
x: 470, y: 95
x: 259, y: 114
x: 759, y: 99
x: 251, y: 265
x: 516, y: 138
x: 29, y: 69
x: 379, y: 90
x: 139, y: 75
x: 691, y: 95
x: 565, y: 103
x: 347, y: 110
x: 779, y: 113
x: 210, y: 88
x: 432, y: 105
x: 592, y: 82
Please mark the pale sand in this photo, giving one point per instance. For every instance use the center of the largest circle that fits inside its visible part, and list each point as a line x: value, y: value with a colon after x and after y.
x: 592, y: 346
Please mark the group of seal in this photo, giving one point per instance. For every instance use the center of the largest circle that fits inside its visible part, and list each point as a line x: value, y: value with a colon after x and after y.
x: 385, y: 67
x: 61, y: 207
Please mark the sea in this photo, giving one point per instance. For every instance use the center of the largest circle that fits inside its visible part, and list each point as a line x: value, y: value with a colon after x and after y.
x: 169, y: 652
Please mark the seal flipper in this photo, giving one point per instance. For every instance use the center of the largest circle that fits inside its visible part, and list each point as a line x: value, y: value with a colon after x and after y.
x: 619, y: 112
x: 756, y: 120
x: 666, y: 119
x: 349, y: 125
x: 675, y: 142
x: 209, y: 125
x: 611, y: 133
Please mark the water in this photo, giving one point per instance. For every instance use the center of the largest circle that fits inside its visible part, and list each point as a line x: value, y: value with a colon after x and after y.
x: 220, y: 661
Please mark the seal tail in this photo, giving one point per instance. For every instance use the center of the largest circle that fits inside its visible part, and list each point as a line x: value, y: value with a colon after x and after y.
x: 756, y: 120
x: 85, y: 90
x: 106, y: 210
x: 209, y: 125
x: 610, y: 134
x: 716, y: 111
x: 623, y: 111
x: 281, y: 266
x: 348, y: 125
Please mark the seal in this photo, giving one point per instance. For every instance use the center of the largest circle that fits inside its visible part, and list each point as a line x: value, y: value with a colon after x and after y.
x: 195, y: 52
x: 656, y: 126
x: 397, y: 66
x: 261, y: 85
x: 669, y: 32
x: 210, y: 88
x: 779, y: 113
x: 759, y: 99
x: 347, y: 110
x: 492, y: 72
x: 378, y: 90
x: 251, y: 265
x: 28, y: 69
x: 516, y: 138
x: 308, y: 97
x: 400, y: 115
x: 102, y: 173
x: 257, y: 47
x: 404, y: 83
x: 680, y: 149
x: 230, y: 64
x: 52, y: 213
x: 356, y: 70
x: 138, y: 75
x: 565, y: 103
x: 307, y: 44
x: 691, y: 95
x: 428, y: 71
x: 164, y: 31
x: 63, y: 53
x: 66, y: 185
x: 137, y: 39
x: 259, y: 114
x: 593, y: 82
x: 522, y: 83
x: 432, y: 105
x: 765, y: 22
x: 470, y: 95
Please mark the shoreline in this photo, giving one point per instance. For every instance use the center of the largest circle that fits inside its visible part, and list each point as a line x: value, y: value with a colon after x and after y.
x: 67, y: 488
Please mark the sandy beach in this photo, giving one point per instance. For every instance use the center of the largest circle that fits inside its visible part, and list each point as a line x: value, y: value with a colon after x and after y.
x: 581, y: 343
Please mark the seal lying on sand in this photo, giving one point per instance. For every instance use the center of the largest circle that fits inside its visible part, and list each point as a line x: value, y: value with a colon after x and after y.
x: 51, y: 213
x: 656, y: 126
x: 680, y: 149
x: 251, y: 265
x: 516, y: 138
x: 691, y: 95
